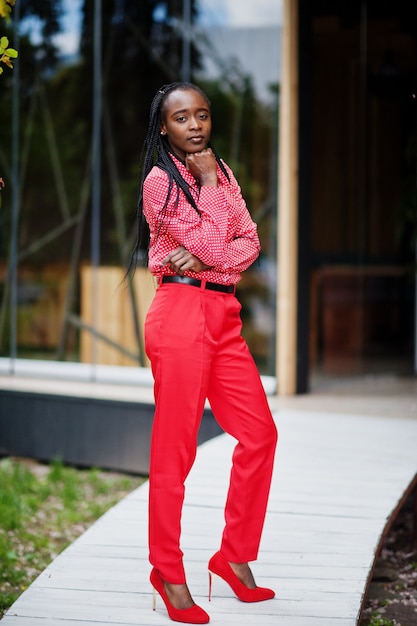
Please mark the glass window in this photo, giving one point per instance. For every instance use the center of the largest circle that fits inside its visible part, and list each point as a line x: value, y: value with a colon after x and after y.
x: 363, y: 226
x: 77, y: 119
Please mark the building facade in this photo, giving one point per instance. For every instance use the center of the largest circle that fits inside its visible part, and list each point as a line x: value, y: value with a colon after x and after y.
x: 314, y: 107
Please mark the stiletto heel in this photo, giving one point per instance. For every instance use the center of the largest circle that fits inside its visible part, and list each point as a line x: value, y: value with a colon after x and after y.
x: 210, y: 585
x: 153, y: 600
x: 193, y: 615
x: 219, y: 566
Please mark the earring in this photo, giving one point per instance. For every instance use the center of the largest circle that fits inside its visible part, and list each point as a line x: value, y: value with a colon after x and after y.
x: 162, y: 132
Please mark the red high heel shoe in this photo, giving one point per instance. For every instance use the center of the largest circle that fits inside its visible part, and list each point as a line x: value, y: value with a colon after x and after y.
x: 219, y: 566
x: 194, y: 615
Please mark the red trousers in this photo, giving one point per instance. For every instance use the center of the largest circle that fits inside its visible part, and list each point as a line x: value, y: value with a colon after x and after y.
x: 193, y: 340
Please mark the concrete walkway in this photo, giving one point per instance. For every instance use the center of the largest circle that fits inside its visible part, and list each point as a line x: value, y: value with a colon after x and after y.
x: 342, y: 468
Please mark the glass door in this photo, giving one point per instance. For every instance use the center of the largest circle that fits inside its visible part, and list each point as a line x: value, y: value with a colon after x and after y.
x: 364, y: 206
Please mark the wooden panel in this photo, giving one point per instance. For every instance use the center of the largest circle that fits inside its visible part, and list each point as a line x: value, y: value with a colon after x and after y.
x: 144, y: 291
x: 106, y: 304
x: 41, y: 301
x: 101, y: 307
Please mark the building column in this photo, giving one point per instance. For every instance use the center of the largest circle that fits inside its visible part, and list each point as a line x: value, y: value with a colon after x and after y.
x: 286, y: 349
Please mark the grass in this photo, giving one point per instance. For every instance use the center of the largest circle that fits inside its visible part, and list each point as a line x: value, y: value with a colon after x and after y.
x: 43, y: 508
x: 378, y: 620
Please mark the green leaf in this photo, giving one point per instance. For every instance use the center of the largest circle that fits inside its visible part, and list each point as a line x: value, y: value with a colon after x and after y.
x: 4, y: 42
x: 5, y: 9
x: 12, y: 53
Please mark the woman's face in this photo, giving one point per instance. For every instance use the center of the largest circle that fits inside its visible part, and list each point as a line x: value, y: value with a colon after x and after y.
x: 186, y: 121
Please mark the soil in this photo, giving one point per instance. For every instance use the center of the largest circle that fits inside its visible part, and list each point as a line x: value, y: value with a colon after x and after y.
x: 392, y: 594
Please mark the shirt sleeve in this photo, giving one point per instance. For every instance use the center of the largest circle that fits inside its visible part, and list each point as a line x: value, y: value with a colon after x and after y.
x: 244, y: 247
x: 240, y: 254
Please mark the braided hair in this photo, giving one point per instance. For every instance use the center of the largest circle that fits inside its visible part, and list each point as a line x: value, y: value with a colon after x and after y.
x: 156, y: 151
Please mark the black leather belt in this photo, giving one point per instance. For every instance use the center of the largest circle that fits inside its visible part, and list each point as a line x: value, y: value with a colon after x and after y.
x: 195, y: 282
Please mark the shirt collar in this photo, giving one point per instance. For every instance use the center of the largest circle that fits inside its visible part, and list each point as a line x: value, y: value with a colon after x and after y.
x: 188, y: 177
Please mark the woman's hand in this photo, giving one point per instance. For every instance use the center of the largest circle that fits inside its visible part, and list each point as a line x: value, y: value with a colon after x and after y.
x: 180, y: 260
x: 203, y: 166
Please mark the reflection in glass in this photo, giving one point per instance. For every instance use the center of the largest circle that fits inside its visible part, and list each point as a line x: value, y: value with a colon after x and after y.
x: 144, y: 45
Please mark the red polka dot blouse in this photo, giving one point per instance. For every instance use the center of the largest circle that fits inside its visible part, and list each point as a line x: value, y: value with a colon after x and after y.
x: 221, y: 234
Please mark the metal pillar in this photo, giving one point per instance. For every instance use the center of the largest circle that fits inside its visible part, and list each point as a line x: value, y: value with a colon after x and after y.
x: 15, y: 200
x: 96, y: 175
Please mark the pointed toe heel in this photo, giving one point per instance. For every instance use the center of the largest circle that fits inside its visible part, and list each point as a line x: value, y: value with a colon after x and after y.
x: 219, y: 565
x: 193, y: 615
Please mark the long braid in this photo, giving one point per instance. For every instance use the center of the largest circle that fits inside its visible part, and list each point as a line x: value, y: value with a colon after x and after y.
x: 156, y: 151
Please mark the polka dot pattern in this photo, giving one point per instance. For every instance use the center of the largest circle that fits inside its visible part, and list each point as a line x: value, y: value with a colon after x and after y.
x: 221, y: 234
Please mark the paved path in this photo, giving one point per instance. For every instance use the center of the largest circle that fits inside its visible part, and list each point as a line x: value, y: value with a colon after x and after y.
x: 337, y: 480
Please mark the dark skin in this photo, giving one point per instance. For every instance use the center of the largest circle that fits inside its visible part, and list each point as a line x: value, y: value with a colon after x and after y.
x: 186, y: 121
x: 187, y: 124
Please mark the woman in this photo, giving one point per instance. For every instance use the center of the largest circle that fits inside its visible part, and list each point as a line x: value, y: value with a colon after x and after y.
x: 201, y: 239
